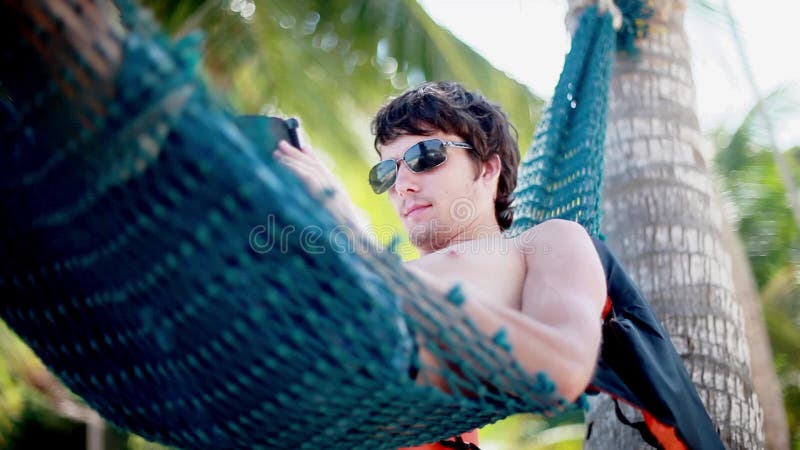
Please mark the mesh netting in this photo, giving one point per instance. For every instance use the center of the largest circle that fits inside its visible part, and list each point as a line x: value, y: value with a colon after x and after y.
x: 561, y: 176
x: 192, y: 291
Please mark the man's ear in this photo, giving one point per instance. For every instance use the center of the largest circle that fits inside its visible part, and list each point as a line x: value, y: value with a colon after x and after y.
x: 490, y: 170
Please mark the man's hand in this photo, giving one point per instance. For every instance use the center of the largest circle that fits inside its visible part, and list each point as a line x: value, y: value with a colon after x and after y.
x: 321, y: 181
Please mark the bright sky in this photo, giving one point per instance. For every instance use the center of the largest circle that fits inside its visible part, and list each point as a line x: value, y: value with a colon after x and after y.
x: 502, y: 31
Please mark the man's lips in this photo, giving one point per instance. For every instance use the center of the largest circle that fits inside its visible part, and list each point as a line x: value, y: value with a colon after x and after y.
x: 414, y: 208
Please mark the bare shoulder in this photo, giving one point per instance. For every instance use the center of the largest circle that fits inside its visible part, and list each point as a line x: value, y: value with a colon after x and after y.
x: 554, y: 237
x: 560, y: 255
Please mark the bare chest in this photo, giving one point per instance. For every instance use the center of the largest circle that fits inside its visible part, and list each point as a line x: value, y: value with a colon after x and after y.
x: 496, y: 273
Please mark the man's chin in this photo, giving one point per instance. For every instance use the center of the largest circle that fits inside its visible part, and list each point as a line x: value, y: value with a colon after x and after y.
x: 430, y: 235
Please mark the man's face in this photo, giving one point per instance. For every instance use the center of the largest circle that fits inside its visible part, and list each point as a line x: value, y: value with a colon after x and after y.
x: 443, y: 203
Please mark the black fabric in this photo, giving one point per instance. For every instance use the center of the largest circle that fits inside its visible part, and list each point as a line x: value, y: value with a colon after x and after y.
x: 459, y: 444
x: 639, y: 365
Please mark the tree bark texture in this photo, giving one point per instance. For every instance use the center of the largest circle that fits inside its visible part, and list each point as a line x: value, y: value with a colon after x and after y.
x: 663, y: 221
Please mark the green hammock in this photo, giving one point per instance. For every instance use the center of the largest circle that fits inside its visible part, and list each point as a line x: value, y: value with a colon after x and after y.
x: 128, y: 263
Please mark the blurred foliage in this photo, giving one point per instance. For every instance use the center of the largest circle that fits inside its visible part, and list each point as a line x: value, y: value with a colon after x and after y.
x: 758, y: 203
x: 27, y: 417
x: 17, y: 392
x: 532, y: 432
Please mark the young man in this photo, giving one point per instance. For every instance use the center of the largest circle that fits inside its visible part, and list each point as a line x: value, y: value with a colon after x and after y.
x: 448, y: 165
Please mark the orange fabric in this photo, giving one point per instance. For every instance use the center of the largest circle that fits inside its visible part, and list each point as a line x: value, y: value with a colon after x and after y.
x: 469, y: 437
x: 606, y: 308
x: 664, y: 433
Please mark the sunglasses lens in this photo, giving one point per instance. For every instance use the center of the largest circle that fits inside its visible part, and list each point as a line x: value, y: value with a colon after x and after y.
x: 382, y: 176
x: 426, y: 155
x: 420, y: 157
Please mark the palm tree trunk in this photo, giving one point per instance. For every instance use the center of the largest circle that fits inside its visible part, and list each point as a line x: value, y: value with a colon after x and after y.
x: 664, y: 223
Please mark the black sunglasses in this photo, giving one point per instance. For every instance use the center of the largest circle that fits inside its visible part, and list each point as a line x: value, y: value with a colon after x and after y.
x: 420, y: 157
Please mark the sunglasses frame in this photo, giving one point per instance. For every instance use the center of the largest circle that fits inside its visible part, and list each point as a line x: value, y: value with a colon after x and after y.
x: 443, y: 148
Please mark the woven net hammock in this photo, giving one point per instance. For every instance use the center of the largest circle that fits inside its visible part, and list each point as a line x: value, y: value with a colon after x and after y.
x: 132, y: 208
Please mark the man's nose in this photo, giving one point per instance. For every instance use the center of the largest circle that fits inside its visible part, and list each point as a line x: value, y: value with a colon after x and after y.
x: 407, y: 181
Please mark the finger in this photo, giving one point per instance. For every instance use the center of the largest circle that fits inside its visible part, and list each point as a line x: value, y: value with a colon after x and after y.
x: 293, y: 152
x: 299, y: 161
x: 296, y: 165
x: 288, y: 148
x: 309, y: 151
x: 305, y: 175
x: 305, y: 150
x: 309, y: 159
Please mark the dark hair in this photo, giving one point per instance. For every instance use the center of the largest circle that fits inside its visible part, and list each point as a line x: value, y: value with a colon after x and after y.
x: 448, y: 107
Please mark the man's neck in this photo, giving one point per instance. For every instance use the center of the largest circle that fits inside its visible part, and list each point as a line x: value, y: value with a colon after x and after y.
x: 473, y: 234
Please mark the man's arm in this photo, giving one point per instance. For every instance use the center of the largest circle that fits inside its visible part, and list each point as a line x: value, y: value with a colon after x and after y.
x: 564, y: 292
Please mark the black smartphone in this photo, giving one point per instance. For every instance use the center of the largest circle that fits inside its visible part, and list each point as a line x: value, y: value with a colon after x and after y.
x: 285, y: 129
x: 267, y: 131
